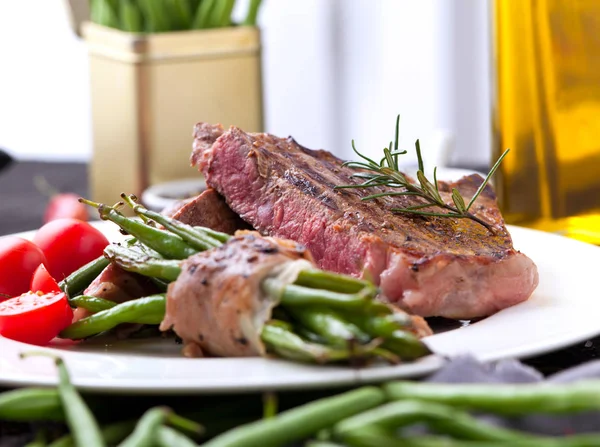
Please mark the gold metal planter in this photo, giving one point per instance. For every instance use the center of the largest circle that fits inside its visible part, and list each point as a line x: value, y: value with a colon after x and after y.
x: 148, y: 91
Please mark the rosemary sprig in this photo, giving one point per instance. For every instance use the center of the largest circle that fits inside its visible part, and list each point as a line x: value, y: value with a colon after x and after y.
x: 386, y: 174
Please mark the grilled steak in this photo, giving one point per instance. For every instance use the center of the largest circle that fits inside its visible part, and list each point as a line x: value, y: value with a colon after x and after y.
x: 208, y: 210
x: 429, y: 266
x: 217, y: 305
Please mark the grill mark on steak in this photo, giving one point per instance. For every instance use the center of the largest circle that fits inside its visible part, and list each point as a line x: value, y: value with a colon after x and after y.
x: 462, y: 271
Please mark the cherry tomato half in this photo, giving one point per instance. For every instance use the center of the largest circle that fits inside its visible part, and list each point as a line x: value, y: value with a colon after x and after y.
x: 35, y: 318
x: 69, y: 244
x: 18, y: 260
x: 43, y: 282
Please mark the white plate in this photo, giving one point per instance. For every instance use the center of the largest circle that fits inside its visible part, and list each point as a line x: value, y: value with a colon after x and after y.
x: 563, y: 310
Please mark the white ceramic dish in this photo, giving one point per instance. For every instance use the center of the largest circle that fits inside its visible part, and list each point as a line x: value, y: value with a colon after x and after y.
x: 563, y: 310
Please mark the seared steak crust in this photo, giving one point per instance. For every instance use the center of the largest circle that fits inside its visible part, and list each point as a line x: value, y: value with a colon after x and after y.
x: 430, y: 266
x: 208, y: 210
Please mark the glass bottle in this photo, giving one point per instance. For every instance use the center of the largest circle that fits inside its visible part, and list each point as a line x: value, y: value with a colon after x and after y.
x: 547, y: 111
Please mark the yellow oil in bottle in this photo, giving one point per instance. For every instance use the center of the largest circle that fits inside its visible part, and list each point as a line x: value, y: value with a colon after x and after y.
x: 547, y: 111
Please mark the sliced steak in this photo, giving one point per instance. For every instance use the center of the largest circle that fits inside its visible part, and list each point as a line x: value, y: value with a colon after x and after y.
x: 429, y: 266
x: 217, y: 305
x: 209, y: 210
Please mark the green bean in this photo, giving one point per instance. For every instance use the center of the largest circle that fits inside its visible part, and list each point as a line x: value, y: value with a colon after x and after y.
x: 335, y: 282
x: 270, y: 404
x: 79, y: 418
x: 324, y: 444
x: 167, y: 437
x: 381, y: 326
x: 221, y: 237
x: 92, y: 303
x: 586, y: 440
x: 329, y: 325
x: 39, y: 440
x: 286, y: 344
x: 441, y: 418
x: 146, y: 430
x: 371, y: 436
x: 507, y: 399
x: 148, y: 310
x: 301, y: 422
x: 389, y: 327
x: 194, y: 237
x: 76, y: 282
x: 130, y: 17
x: 31, y: 404
x: 112, y: 434
x: 131, y: 261
x: 294, y: 295
x: 167, y: 244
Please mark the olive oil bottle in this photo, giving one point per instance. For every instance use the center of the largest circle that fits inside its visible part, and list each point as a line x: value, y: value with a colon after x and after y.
x: 547, y: 111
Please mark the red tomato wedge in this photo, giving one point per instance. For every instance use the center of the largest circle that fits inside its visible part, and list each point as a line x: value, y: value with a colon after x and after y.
x: 18, y: 260
x: 35, y: 318
x: 43, y: 282
x: 69, y: 244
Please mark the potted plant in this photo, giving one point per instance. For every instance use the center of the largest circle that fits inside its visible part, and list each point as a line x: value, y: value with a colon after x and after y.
x: 156, y: 68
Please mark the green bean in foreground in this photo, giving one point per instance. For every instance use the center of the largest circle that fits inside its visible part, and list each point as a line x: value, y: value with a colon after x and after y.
x: 76, y: 282
x: 92, y: 303
x: 148, y: 310
x: 585, y: 440
x: 506, y: 399
x: 31, y: 404
x: 79, y: 417
x: 301, y: 422
x: 441, y: 418
x: 112, y: 434
x: 146, y: 430
x: 39, y: 440
x: 168, y: 437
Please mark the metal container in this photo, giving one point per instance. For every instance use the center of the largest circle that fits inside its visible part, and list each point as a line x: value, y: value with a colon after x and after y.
x: 148, y: 92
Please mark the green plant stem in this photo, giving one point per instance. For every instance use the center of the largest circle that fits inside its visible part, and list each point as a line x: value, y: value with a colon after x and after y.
x: 252, y: 14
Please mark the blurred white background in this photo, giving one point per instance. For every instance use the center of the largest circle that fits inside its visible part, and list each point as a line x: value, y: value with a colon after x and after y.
x: 333, y: 70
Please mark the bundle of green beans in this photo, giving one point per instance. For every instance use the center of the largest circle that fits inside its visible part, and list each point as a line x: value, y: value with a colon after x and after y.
x: 322, y: 317
x: 363, y: 417
x: 155, y: 16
